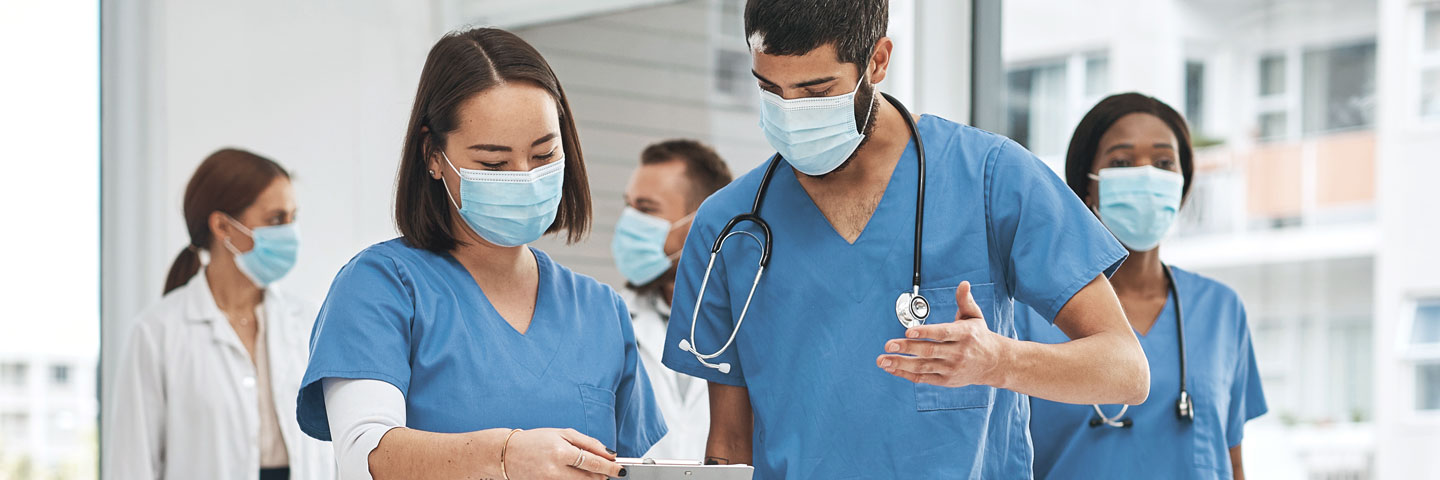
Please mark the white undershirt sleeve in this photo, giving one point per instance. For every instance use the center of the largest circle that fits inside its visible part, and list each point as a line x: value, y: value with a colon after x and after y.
x: 360, y: 412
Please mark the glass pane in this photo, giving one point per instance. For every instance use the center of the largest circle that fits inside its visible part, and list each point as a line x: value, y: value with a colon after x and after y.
x: 1426, y: 329
x: 1427, y: 386
x: 1339, y: 88
x: 1036, y: 111
x: 1097, y: 76
x: 1430, y: 93
x: 1432, y: 30
x: 1272, y: 75
x: 1272, y: 125
x: 1195, y: 95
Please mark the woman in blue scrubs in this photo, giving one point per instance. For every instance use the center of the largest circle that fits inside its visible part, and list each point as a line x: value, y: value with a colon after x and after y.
x: 1131, y: 161
x: 456, y: 351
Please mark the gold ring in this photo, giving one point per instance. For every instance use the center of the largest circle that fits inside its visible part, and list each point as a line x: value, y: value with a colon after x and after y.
x: 580, y: 460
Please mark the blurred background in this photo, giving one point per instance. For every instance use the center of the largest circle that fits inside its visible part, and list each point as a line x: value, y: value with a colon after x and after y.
x: 1317, y: 124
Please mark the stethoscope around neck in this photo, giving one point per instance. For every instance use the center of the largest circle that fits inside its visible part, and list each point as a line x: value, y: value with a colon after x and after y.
x: 1184, y: 406
x: 911, y: 308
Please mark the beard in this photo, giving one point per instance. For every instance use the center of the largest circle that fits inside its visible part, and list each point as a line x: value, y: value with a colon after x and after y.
x: 873, y: 102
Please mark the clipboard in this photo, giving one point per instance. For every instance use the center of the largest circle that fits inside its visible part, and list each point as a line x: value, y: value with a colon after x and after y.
x: 652, y: 469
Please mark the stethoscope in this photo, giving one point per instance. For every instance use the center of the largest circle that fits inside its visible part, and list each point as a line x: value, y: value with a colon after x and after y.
x: 1185, y: 406
x: 911, y: 308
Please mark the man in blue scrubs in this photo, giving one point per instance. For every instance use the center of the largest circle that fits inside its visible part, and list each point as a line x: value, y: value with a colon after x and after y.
x: 822, y: 381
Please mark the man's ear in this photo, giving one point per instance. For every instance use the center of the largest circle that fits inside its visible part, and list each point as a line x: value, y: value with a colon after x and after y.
x: 880, y: 60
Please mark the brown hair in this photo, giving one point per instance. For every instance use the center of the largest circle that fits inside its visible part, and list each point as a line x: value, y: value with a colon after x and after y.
x: 705, y: 169
x: 228, y: 181
x: 461, y: 65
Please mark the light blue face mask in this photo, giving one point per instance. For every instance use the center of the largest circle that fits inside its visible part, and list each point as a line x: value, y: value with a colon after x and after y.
x: 276, y: 248
x: 509, y: 208
x: 1139, y: 204
x: 816, y: 134
x: 639, y: 246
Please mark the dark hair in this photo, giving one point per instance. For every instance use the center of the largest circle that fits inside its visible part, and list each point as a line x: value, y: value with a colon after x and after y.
x: 228, y: 181
x: 1081, y: 156
x: 794, y: 27
x: 461, y: 65
x: 706, y: 171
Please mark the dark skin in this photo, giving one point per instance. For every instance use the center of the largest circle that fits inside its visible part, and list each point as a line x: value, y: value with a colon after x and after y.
x: 1102, y: 364
x: 1142, y: 140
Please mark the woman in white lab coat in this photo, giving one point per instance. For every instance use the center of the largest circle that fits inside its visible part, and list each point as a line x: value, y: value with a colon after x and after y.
x: 674, y: 177
x: 208, y: 378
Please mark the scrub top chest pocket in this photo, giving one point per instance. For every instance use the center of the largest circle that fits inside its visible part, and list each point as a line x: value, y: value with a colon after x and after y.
x: 599, y: 404
x: 942, y: 310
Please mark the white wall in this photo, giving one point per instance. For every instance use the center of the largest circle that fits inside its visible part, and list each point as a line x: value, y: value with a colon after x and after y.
x: 322, y: 87
x: 1408, y: 257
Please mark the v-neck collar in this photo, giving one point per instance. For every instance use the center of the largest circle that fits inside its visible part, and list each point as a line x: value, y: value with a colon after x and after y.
x: 536, y: 348
x: 904, y: 166
x: 820, y: 237
x: 1165, y: 317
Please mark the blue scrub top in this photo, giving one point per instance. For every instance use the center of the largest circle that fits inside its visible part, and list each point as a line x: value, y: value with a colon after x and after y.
x: 416, y: 319
x: 994, y: 215
x: 1223, y: 382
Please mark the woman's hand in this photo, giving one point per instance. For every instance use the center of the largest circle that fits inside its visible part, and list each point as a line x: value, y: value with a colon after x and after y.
x: 558, y: 454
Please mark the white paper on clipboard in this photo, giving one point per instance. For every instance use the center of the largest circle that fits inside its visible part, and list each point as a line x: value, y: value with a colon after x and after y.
x: 653, y: 469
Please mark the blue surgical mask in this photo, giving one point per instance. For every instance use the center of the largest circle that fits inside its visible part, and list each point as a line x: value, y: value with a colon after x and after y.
x: 639, y: 246
x: 1139, y: 204
x: 509, y: 208
x: 273, y: 255
x: 814, y: 134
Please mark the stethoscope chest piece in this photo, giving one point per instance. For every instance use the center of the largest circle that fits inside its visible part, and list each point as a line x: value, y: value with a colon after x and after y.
x: 912, y: 309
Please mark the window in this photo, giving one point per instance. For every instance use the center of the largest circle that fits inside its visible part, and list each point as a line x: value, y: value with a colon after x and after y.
x: 13, y: 374
x: 1272, y: 125
x: 1097, y: 76
x: 1427, y: 386
x: 1338, y: 89
x: 1275, y: 99
x: 1432, y: 30
x: 1425, y: 328
x: 14, y: 425
x: 1272, y: 75
x: 1037, y: 112
x: 1429, y: 94
x: 1423, y: 348
x: 1195, y: 96
x: 60, y: 375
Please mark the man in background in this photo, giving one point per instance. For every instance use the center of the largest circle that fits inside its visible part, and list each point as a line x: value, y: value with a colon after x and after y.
x: 674, y: 177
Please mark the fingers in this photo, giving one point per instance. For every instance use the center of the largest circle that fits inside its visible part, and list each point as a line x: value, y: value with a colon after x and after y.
x: 586, y: 443
x: 910, y: 364
x: 588, y: 462
x: 940, y: 332
x: 914, y: 348
x: 968, y: 309
x: 930, y: 378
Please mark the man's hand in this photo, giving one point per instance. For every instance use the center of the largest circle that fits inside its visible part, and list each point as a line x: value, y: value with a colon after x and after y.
x: 956, y: 354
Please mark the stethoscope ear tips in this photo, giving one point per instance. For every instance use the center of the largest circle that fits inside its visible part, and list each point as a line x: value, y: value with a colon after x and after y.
x: 685, y: 346
x: 723, y: 368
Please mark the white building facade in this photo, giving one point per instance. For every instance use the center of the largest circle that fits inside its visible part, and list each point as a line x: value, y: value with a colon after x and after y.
x: 1315, y: 123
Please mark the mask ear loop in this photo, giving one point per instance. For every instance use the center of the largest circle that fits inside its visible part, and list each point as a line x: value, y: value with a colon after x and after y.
x: 447, y: 184
x: 243, y: 229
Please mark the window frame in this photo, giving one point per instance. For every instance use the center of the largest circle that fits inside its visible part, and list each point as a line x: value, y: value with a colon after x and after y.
x: 1422, y: 61
x: 1413, y: 356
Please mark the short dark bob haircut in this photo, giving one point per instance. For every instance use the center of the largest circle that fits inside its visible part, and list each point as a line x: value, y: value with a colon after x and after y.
x: 461, y: 65
x: 1081, y: 156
